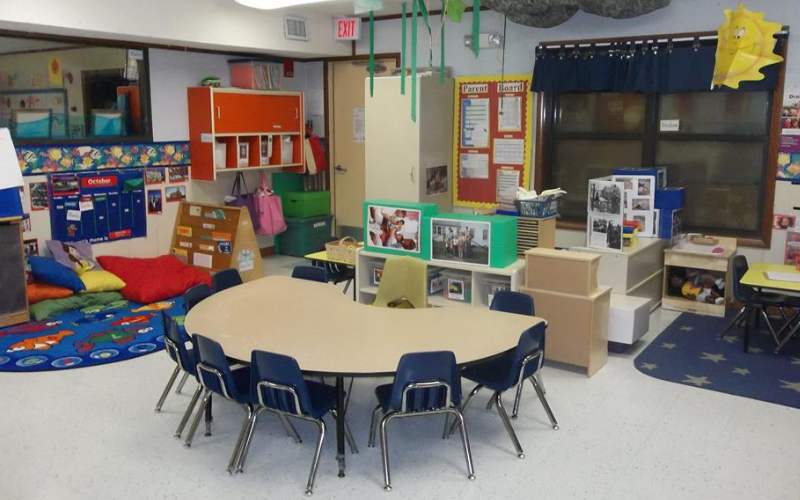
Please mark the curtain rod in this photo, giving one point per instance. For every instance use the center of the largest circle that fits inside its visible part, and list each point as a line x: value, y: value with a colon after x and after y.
x: 639, y: 40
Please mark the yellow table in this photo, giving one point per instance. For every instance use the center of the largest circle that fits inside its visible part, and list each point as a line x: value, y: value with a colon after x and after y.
x: 322, y: 256
x: 349, y: 276
x: 756, y: 276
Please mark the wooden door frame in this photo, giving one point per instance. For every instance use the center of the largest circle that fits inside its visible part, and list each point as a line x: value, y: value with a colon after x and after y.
x: 326, y: 100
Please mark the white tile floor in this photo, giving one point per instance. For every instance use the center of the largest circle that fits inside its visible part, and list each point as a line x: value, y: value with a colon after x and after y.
x: 92, y: 434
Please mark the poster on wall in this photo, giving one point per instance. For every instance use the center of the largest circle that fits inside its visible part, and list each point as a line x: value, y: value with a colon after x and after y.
x: 790, y: 115
x: 154, y: 201
x: 436, y: 180
x: 395, y: 228
x: 782, y: 222
x: 606, y: 207
x: 792, y: 255
x: 38, y: 193
x: 491, y: 132
x: 98, y: 207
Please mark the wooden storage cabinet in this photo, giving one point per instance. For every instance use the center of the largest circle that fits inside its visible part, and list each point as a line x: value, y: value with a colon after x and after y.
x: 561, y: 271
x: 236, y: 116
x: 535, y: 233
x: 14, y: 304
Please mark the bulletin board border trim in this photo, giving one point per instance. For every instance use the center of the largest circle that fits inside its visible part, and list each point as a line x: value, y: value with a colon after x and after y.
x: 526, y: 170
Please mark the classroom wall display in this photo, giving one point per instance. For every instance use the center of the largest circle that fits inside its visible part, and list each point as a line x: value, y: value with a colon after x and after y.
x: 606, y: 205
x: 175, y: 193
x: 39, y: 198
x: 639, y: 206
x: 397, y: 227
x: 34, y: 160
x: 792, y: 254
x: 783, y: 222
x: 473, y: 239
x: 178, y: 174
x: 154, y: 176
x: 97, y: 206
x: 492, y: 134
x: 154, y: 201
x: 789, y: 146
x: 31, y: 246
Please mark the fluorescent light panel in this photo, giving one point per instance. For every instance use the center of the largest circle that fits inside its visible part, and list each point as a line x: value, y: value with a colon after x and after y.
x: 276, y: 4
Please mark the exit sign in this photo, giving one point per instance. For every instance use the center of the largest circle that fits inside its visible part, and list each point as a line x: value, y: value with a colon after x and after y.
x: 347, y: 28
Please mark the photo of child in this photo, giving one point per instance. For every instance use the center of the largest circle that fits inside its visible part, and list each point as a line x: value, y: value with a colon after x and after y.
x: 783, y: 222
x: 790, y: 118
x: 391, y: 227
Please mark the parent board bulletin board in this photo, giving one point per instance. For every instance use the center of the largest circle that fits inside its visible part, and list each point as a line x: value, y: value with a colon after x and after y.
x: 492, y: 139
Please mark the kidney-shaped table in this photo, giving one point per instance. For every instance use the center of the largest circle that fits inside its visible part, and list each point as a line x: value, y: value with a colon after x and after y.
x: 329, y: 334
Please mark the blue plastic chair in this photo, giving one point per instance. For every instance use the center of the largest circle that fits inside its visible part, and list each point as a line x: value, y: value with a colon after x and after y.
x: 426, y: 383
x: 310, y: 273
x: 516, y: 303
x: 195, y: 295
x: 511, y: 369
x: 175, y: 345
x: 223, y: 280
x: 278, y: 387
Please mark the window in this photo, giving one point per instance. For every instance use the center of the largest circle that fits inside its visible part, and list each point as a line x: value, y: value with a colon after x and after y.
x: 719, y: 154
x: 66, y: 91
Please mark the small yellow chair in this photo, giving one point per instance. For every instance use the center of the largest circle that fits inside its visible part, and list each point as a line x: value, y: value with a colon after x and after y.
x: 403, y: 277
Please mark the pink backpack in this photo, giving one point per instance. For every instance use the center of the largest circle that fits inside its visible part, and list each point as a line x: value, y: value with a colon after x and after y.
x: 268, y: 212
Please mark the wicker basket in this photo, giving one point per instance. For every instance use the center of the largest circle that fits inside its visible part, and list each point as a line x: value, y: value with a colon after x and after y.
x: 541, y: 209
x: 343, y: 250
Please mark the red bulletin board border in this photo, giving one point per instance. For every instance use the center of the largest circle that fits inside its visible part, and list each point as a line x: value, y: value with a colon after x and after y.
x: 474, y: 192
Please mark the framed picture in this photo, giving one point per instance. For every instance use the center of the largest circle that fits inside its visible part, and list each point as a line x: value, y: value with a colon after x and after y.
x: 106, y: 123
x: 243, y: 156
x: 154, y: 201
x: 31, y: 123
x: 154, y: 176
x: 31, y: 247
x: 393, y: 227
x: 266, y: 150
x: 175, y: 193
x: 178, y: 174
x: 39, y: 199
x: 465, y: 241
x: 436, y: 180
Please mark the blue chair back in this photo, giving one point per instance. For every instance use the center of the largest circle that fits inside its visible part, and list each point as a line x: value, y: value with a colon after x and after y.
x: 175, y: 343
x: 195, y: 295
x: 310, y: 273
x: 530, y: 341
x: 420, y: 367
x: 223, y: 280
x: 513, y: 302
x: 210, y: 356
x: 282, y: 370
x: 742, y: 293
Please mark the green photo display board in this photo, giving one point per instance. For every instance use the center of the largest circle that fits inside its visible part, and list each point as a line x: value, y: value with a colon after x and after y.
x: 480, y: 240
x: 398, y: 228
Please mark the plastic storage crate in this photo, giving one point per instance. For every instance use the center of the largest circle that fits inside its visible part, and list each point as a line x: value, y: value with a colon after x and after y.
x: 306, y: 203
x: 541, y: 209
x: 305, y: 235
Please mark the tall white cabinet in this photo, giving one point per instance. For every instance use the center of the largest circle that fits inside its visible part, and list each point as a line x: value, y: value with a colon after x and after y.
x: 400, y: 152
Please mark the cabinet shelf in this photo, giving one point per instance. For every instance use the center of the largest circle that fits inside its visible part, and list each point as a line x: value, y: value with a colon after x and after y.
x: 262, y: 167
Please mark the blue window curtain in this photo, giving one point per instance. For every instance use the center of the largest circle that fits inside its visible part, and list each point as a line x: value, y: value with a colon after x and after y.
x: 645, y: 68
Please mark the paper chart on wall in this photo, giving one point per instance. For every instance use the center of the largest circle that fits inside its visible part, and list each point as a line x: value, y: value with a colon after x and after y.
x: 507, y: 184
x: 359, y: 125
x: 509, y: 151
x: 475, y: 123
x: 510, y: 114
x: 474, y: 166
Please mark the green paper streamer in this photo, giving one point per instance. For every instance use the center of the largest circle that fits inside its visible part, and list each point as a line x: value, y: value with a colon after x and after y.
x: 403, y: 53
x: 455, y: 9
x: 441, y: 52
x: 423, y: 9
x: 371, y: 52
x: 414, y: 14
x: 476, y: 26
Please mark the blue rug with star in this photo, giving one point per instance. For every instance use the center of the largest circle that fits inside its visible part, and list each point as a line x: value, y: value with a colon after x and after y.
x: 86, y: 337
x: 688, y: 352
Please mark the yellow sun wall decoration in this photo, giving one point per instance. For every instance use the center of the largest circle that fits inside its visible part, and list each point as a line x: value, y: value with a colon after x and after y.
x: 746, y: 44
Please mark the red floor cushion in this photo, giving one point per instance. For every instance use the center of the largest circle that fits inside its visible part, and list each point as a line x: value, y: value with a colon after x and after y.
x: 152, y: 280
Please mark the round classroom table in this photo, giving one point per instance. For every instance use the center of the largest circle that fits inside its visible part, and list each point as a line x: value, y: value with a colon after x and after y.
x: 330, y: 334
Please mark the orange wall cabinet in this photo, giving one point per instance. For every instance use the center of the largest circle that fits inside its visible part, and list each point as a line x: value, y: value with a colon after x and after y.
x: 233, y: 130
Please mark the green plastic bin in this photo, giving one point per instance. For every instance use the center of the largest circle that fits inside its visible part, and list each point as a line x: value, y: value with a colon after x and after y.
x: 305, y: 235
x: 306, y: 203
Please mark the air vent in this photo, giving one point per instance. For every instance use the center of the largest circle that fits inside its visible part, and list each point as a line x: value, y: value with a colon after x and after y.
x: 295, y: 28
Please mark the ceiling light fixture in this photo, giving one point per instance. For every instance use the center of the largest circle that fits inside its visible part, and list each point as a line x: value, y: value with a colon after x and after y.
x: 276, y: 4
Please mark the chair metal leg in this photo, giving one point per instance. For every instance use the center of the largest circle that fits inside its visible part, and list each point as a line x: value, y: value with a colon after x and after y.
x: 517, y: 399
x: 375, y: 413
x: 245, y: 446
x: 349, y: 392
x: 540, y: 380
x: 171, y: 381
x: 240, y: 440
x: 459, y: 418
x: 734, y: 322
x: 507, y: 423
x: 315, y: 462
x: 465, y: 405
x: 348, y: 433
x: 188, y: 412
x: 182, y: 382
x: 289, y: 428
x: 197, y: 417
x: 387, y: 482
x: 769, y: 326
x: 540, y: 393
x: 209, y: 416
x: 789, y: 335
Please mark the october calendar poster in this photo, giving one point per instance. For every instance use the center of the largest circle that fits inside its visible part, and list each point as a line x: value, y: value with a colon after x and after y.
x: 491, y: 136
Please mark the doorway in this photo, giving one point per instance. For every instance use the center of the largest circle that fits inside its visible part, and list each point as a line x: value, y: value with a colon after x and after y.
x: 346, y: 136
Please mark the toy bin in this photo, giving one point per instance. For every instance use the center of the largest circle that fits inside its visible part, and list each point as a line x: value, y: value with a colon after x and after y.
x: 459, y: 285
x: 306, y: 203
x: 494, y: 285
x: 436, y: 281
x: 305, y: 235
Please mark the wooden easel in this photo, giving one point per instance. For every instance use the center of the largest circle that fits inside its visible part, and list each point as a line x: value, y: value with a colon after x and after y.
x: 217, y: 237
